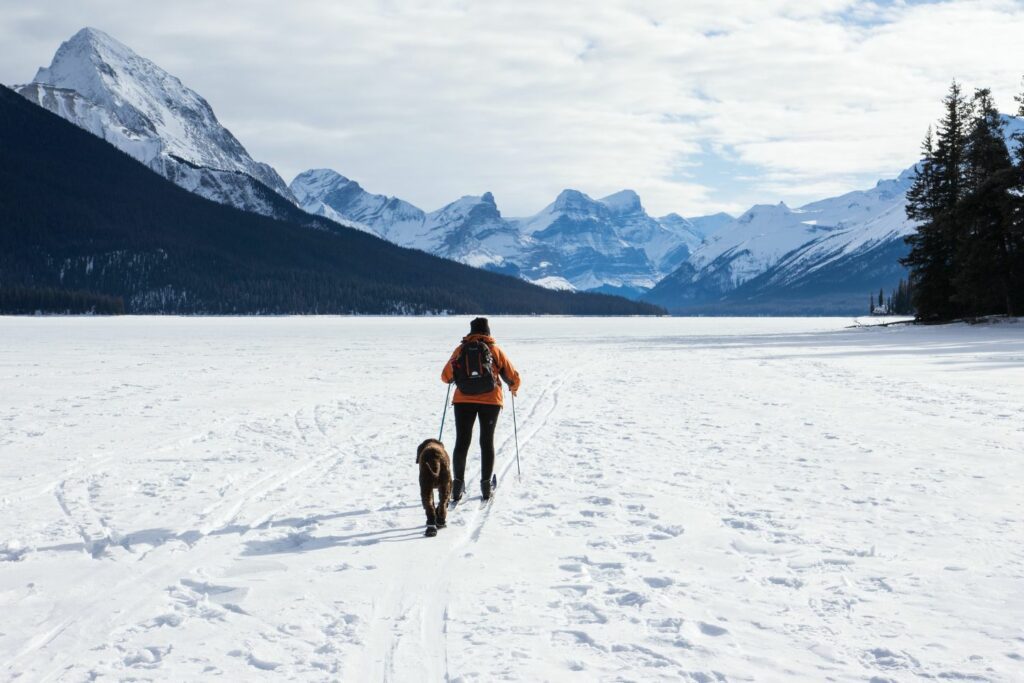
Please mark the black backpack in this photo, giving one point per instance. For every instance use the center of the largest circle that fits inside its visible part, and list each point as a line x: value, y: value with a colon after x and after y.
x: 474, y: 368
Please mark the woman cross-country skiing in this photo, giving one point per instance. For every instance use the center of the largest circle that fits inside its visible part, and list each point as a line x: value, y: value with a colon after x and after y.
x: 477, y: 367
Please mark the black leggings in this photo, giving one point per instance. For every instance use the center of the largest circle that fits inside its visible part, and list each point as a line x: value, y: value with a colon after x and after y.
x: 465, y: 416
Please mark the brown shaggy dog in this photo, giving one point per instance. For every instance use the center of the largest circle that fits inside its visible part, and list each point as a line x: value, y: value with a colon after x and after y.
x: 435, y: 473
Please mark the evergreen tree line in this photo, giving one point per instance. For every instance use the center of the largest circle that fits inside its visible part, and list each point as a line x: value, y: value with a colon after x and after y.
x: 78, y: 216
x: 967, y: 256
x: 899, y: 302
x: 31, y: 300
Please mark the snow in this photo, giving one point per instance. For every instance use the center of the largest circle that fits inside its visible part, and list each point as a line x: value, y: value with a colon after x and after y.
x: 554, y: 282
x: 577, y: 239
x: 623, y: 201
x: 327, y: 193
x: 701, y: 499
x: 803, y: 240
x: 798, y: 242
x: 101, y: 85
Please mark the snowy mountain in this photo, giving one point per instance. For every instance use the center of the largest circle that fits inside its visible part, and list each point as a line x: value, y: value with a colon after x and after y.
x: 827, y: 252
x: 820, y: 257
x: 470, y: 230
x: 85, y: 225
x: 101, y: 85
x: 608, y: 244
x: 705, y: 226
x: 768, y: 250
x: 576, y: 242
x: 327, y: 193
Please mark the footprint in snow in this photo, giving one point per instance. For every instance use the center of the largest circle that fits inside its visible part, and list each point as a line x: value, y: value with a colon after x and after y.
x: 631, y: 599
x: 665, y: 531
x: 740, y: 524
x: 666, y: 625
x: 711, y: 629
x: 587, y: 613
x: 658, y: 581
x: 147, y: 658
x: 885, y: 658
x: 787, y: 581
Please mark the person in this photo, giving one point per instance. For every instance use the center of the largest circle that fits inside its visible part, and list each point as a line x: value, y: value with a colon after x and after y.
x: 477, y: 398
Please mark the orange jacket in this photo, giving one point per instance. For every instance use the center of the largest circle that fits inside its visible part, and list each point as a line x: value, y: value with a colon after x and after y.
x: 502, y: 365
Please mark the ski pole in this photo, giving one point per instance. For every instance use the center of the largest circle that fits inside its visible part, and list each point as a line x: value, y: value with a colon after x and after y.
x: 515, y: 430
x: 444, y: 412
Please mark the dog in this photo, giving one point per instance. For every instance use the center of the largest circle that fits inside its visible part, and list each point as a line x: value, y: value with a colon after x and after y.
x: 435, y: 473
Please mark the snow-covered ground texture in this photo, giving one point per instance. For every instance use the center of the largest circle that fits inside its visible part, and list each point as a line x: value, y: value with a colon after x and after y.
x: 701, y: 499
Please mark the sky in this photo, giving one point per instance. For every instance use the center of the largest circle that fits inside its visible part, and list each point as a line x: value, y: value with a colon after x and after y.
x: 699, y: 106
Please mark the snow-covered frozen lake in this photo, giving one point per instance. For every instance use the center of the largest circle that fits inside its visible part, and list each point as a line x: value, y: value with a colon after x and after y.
x: 701, y: 499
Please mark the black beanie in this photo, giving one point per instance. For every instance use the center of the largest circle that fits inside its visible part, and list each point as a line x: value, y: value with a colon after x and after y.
x: 480, y: 326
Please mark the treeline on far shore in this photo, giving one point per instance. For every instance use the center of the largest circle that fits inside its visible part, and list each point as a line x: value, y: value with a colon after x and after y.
x: 967, y: 256
x: 32, y: 300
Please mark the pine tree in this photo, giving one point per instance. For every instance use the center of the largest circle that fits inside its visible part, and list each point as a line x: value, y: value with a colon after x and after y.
x: 938, y: 185
x: 985, y: 148
x: 1019, y: 135
x: 900, y: 302
x: 1013, y: 247
x: 981, y: 279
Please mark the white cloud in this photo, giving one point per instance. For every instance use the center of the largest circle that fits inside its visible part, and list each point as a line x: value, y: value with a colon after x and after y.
x: 432, y: 100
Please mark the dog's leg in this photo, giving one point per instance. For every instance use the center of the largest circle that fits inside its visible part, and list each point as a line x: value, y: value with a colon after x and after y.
x: 427, y: 494
x: 428, y: 505
x: 444, y: 492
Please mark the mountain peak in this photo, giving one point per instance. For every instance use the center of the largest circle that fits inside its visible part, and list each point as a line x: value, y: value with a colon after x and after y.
x: 763, y: 212
x: 569, y: 194
x: 569, y: 200
x: 483, y: 205
x: 153, y: 116
x: 80, y: 54
x: 91, y: 39
x: 676, y: 220
x: 93, y: 36
x: 317, y: 182
x: 323, y: 176
x: 110, y: 74
x: 623, y: 201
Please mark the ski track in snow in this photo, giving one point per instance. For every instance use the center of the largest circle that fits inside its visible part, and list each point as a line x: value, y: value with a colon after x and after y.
x: 701, y: 500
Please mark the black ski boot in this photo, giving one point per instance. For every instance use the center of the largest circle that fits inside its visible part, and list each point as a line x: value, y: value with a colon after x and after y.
x: 457, y: 487
x: 431, y: 530
x: 487, y: 487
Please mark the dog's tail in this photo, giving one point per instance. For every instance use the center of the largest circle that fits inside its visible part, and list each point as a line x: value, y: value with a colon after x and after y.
x: 434, y: 465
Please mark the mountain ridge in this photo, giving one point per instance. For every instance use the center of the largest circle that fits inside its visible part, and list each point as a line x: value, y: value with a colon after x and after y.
x: 103, y: 86
x: 81, y: 216
x: 576, y: 241
x: 610, y: 244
